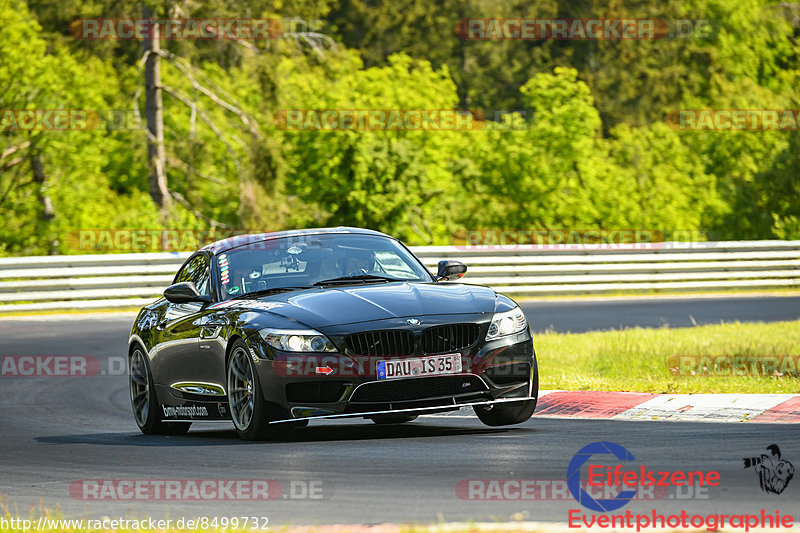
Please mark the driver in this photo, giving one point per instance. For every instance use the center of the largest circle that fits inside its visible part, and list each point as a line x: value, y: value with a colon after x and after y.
x: 239, y: 280
x: 358, y: 262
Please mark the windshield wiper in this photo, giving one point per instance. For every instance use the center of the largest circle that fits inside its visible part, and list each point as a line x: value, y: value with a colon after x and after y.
x: 264, y: 292
x: 363, y: 278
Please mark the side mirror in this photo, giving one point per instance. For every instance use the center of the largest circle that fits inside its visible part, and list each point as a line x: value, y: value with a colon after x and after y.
x: 185, y: 292
x: 450, y: 270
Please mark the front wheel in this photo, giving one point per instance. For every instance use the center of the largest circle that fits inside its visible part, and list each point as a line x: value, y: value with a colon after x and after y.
x: 144, y: 402
x: 244, y: 395
x: 506, y: 414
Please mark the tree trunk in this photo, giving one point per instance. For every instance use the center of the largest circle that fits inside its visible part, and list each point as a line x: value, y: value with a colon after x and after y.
x: 39, y: 178
x: 155, y: 119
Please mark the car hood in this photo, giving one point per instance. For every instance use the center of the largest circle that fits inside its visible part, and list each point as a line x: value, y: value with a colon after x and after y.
x: 329, y: 306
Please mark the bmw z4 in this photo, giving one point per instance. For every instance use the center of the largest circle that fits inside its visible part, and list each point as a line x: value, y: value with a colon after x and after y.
x: 273, y: 330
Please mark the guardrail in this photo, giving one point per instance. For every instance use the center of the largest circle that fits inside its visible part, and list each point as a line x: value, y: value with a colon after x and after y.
x: 132, y: 280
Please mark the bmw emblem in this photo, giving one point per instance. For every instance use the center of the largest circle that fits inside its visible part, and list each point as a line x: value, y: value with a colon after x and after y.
x: 413, y: 321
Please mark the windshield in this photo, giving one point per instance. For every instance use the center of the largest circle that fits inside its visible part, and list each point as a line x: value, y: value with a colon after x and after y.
x: 304, y: 260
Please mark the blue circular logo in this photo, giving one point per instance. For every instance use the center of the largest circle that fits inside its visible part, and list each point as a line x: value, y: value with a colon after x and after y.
x: 574, y: 476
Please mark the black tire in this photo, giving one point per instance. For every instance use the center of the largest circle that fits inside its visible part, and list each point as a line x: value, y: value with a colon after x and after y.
x: 247, y: 406
x: 393, y: 419
x: 507, y: 414
x: 144, y: 401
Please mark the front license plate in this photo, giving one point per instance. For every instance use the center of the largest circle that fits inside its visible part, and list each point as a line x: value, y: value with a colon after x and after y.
x: 420, y: 366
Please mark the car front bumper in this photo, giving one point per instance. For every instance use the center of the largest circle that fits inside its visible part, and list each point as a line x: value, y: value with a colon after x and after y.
x: 313, y: 386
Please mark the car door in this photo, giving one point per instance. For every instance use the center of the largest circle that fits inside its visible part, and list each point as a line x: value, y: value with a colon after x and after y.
x: 175, y: 356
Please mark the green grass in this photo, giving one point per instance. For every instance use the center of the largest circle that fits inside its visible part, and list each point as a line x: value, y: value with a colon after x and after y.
x: 641, y: 359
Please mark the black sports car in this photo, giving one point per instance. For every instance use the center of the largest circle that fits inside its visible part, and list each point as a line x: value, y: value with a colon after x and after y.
x: 273, y: 330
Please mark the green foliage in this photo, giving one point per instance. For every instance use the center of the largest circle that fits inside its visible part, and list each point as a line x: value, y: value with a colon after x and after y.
x: 397, y: 181
x: 586, y: 145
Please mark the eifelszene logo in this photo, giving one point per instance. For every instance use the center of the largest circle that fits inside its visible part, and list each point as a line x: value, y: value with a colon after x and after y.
x: 574, y: 476
x: 616, y: 477
x: 774, y: 473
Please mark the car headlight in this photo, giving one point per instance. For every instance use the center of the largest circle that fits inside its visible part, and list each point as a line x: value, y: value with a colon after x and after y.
x: 506, y: 323
x: 297, y: 340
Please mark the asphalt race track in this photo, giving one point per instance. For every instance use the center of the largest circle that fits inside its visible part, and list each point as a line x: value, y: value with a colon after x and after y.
x: 57, y: 431
x: 578, y: 316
